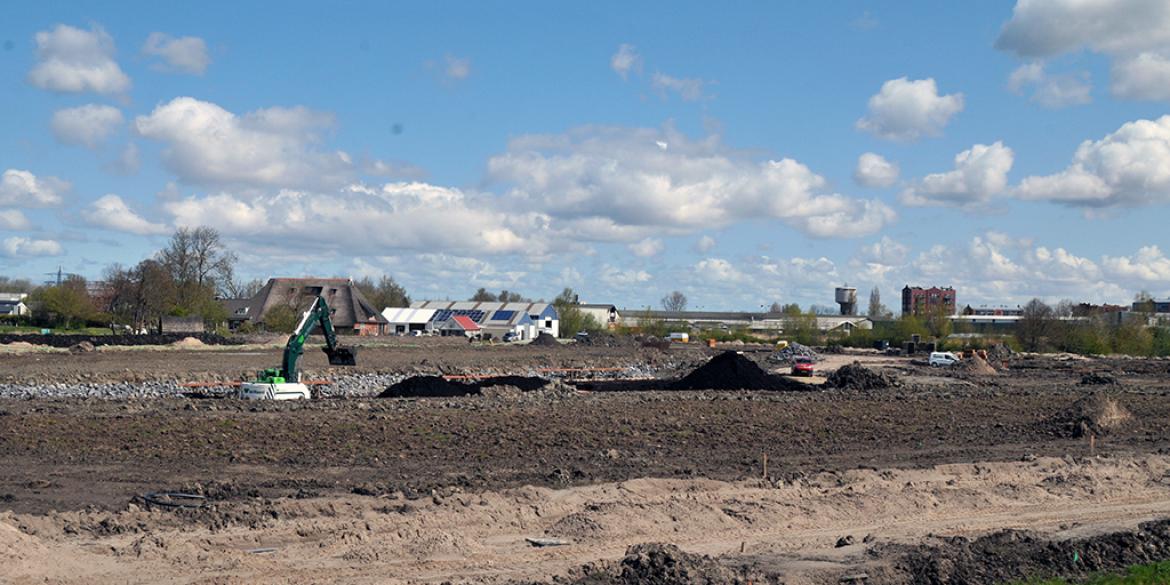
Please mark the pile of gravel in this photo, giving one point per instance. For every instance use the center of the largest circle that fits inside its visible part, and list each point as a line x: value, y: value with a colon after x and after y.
x: 794, y: 350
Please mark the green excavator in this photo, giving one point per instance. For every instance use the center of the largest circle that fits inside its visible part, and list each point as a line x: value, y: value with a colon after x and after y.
x: 284, y: 383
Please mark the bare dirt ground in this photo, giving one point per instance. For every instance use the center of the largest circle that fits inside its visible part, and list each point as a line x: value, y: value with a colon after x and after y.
x: 430, y: 490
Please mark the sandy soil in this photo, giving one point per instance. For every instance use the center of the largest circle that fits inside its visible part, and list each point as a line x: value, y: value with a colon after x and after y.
x: 430, y: 490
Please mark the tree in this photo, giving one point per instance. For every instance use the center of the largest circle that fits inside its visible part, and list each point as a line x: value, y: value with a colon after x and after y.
x: 938, y: 323
x: 823, y: 310
x: 386, y: 293
x: 200, y: 266
x: 16, y: 285
x: 571, y: 319
x: 675, y: 302
x: 1035, y: 325
x: 483, y: 296
x: 1143, y: 302
x: 281, y: 319
x: 776, y: 307
x: 791, y: 310
x: 878, y: 311
x: 67, y: 304
x: 511, y: 297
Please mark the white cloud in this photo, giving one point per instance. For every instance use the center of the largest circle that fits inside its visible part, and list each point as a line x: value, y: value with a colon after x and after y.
x: 1051, y: 91
x: 626, y: 59
x: 718, y: 270
x: 616, y: 184
x: 647, y: 247
x: 1046, y: 28
x: 618, y: 278
x: 394, y: 169
x: 18, y: 247
x: 1148, y: 265
x: 1145, y: 76
x: 73, y: 60
x: 980, y: 173
x: 873, y: 170
x: 906, y: 110
x: 206, y: 144
x: 1130, y: 167
x: 689, y: 89
x: 87, y: 125
x: 361, y: 219
x: 23, y: 189
x: 704, y: 244
x: 457, y: 69
x: 13, y: 219
x: 1135, y: 34
x: 111, y: 212
x: 182, y: 54
x: 884, y: 251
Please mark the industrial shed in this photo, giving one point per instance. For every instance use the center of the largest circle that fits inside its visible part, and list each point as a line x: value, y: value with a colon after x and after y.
x: 402, y: 320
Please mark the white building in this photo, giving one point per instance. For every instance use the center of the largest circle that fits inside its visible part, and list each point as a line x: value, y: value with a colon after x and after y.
x: 12, y: 304
x: 497, y: 318
x: 405, y: 319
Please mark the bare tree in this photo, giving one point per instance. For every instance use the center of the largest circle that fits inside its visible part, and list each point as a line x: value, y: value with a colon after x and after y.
x: 675, y: 302
x: 776, y: 307
x: 1034, y: 325
x: 199, y: 265
x: 876, y: 309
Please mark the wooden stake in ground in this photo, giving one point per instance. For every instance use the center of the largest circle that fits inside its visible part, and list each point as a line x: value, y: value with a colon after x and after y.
x: 1092, y: 443
x: 765, y: 467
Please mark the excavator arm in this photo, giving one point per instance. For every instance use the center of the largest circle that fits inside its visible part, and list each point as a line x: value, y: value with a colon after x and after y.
x: 318, y: 314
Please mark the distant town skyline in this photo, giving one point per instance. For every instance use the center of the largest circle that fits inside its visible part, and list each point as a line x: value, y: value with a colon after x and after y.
x: 743, y: 155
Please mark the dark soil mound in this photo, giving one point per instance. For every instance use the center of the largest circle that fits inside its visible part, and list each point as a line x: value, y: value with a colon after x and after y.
x: 1096, y: 414
x: 659, y: 564
x: 732, y: 371
x: 1010, y: 556
x: 607, y: 340
x: 858, y: 377
x: 428, y: 386
x: 439, y: 387
x: 545, y: 340
x: 1096, y: 379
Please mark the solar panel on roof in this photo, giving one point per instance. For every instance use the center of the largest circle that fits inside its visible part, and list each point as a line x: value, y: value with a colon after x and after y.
x: 503, y: 315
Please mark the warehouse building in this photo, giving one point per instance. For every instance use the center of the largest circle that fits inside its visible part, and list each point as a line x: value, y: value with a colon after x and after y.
x: 404, y: 320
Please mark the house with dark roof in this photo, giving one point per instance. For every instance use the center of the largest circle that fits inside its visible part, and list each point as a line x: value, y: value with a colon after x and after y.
x: 351, y: 310
x: 12, y: 304
x: 498, y: 318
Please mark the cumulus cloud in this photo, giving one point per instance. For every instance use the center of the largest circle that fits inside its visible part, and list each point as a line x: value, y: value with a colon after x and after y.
x: 23, y: 189
x: 873, y: 170
x: 13, y: 219
x: 111, y: 212
x: 618, y: 278
x: 1135, y: 34
x: 1051, y: 91
x: 689, y: 89
x: 1148, y: 265
x: 1130, y: 167
x: 182, y: 54
x: 718, y: 270
x: 625, y: 60
x: 884, y: 251
x: 647, y: 247
x: 87, y: 125
x: 621, y: 186
x: 74, y: 60
x: 361, y: 219
x: 980, y: 173
x: 20, y: 247
x: 704, y: 244
x: 906, y: 110
x: 272, y: 147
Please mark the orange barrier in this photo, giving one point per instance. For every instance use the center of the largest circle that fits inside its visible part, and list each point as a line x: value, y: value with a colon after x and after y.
x: 237, y: 383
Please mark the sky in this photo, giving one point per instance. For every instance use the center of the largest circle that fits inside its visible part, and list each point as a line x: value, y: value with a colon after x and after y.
x: 745, y: 154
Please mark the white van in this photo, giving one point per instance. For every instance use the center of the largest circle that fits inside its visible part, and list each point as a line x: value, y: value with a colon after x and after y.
x: 943, y: 358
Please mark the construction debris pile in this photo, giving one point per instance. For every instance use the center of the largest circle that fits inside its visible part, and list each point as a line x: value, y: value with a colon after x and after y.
x: 1097, y: 379
x: 732, y: 371
x: 1096, y: 414
x: 858, y: 377
x: 662, y: 564
x: 545, y: 340
x: 976, y: 365
x: 794, y: 350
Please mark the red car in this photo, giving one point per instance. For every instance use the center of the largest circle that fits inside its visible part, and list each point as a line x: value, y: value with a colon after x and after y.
x: 803, y: 367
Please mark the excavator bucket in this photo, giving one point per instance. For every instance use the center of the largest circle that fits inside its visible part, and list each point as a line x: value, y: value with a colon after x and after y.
x: 341, y: 356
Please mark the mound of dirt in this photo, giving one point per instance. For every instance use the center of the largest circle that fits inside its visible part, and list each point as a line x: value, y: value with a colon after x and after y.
x: 440, y: 387
x: 1000, y: 353
x: 977, y: 366
x: 732, y: 371
x: 428, y: 386
x: 655, y: 343
x: 1010, y: 556
x: 602, y: 339
x: 82, y: 347
x: 858, y: 377
x: 188, y: 342
x: 1097, y: 379
x: 1096, y: 414
x: 545, y: 340
x: 659, y: 564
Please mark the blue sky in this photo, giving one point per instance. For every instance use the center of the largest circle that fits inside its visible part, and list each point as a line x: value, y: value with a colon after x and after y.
x: 744, y: 155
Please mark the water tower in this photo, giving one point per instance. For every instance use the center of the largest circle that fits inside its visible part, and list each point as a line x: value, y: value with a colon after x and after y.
x: 847, y: 298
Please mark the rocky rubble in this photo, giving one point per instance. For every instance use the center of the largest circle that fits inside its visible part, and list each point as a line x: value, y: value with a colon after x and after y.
x: 794, y: 350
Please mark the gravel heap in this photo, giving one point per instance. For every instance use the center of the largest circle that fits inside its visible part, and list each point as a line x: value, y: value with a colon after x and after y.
x: 344, y: 386
x: 794, y: 350
x: 1097, y: 379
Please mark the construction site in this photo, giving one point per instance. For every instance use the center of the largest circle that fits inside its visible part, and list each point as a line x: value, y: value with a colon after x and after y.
x: 614, y: 459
